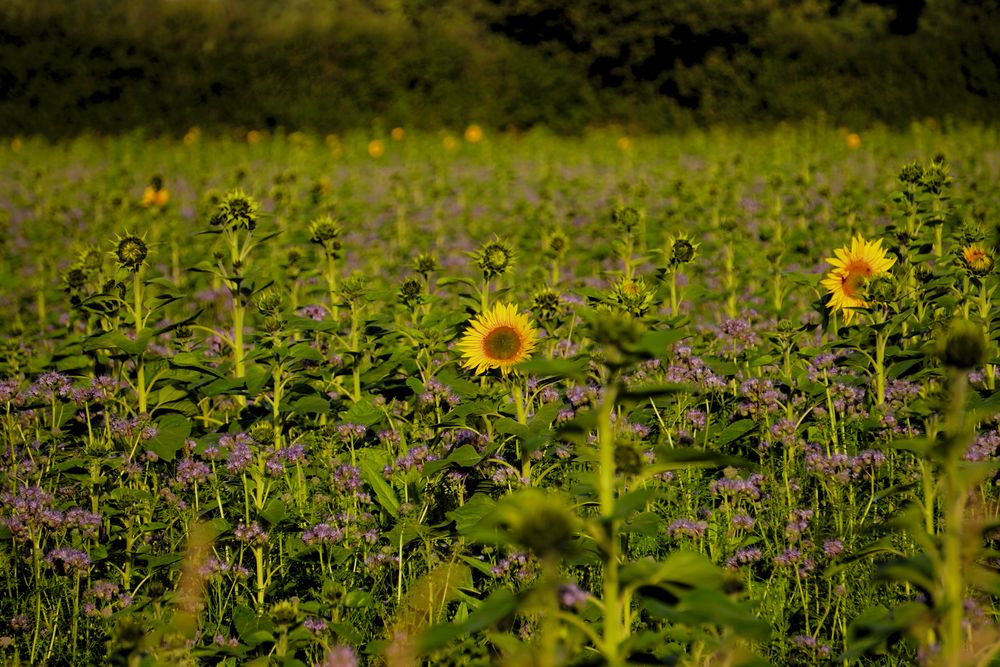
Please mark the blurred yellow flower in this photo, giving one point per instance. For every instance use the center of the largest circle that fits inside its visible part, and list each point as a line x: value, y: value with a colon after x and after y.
x: 253, y: 137
x: 449, y: 143
x: 376, y: 148
x: 853, y: 140
x: 191, y: 136
x: 155, y: 197
x: 16, y: 144
x: 473, y: 134
x: 624, y: 143
x: 397, y: 133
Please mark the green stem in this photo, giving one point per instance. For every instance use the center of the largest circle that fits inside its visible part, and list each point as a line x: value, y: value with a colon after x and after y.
x: 614, y: 630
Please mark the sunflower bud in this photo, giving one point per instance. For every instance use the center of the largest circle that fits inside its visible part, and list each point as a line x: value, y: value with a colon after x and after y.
x: 882, y: 289
x: 632, y: 295
x: 628, y: 459
x: 911, y: 174
x: 538, y: 521
x: 323, y: 230
x: 75, y: 278
x: 963, y: 347
x: 976, y: 260
x: 555, y: 243
x: 411, y: 292
x: 285, y: 612
x: 262, y: 433
x: 237, y: 210
x: 547, y: 305
x: 131, y: 252
x: 625, y: 218
x: 494, y: 258
x: 268, y: 302
x: 425, y: 264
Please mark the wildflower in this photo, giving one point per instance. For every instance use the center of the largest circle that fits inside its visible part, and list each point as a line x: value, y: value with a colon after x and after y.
x: 680, y: 250
x: 155, y: 194
x: 340, y: 655
x: 237, y: 210
x: 397, y: 134
x: 976, y: 260
x: 376, y: 148
x: 498, y: 338
x: 473, y: 134
x: 852, y: 268
x: 494, y: 258
x: 625, y: 218
x: 131, y: 252
x: 964, y: 345
x: 632, y: 295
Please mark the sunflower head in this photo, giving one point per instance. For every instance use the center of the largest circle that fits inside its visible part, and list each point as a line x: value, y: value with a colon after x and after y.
x: 853, y: 267
x: 632, y: 295
x: 680, y: 250
x: 494, y: 258
x: 237, y: 210
x: 555, y: 243
x: 498, y: 338
x: 625, y: 218
x: 963, y: 346
x: 411, y: 292
x: 548, y: 305
x: 131, y: 252
x: 976, y: 260
x: 425, y: 264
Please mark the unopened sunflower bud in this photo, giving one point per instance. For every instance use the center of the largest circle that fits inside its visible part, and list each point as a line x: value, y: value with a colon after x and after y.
x: 425, y: 264
x: 882, y: 289
x: 911, y: 174
x: 547, y: 305
x: 75, y: 278
x: 494, y: 258
x: 237, y: 210
x: 262, y: 433
x: 555, y: 243
x: 131, y: 252
x: 625, y: 218
x: 963, y: 347
x: 323, y: 230
x: 268, y: 302
x: 628, y: 459
x: 632, y: 295
x: 411, y: 291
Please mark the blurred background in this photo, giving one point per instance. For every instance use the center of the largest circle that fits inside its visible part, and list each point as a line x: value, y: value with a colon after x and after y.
x: 108, y: 66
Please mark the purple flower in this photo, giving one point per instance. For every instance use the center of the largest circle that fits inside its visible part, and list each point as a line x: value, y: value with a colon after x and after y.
x: 68, y: 560
x: 572, y: 596
x: 340, y: 655
x: 252, y: 535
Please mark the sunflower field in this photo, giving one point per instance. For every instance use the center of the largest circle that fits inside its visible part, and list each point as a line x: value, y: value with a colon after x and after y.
x: 471, y: 398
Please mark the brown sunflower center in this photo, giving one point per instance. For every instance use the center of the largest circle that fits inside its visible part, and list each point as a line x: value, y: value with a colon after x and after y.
x: 502, y: 343
x: 851, y: 283
x: 859, y: 267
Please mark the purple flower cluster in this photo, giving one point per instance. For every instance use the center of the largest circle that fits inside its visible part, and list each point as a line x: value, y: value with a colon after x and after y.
x: 132, y: 429
x: 191, y: 472
x: 455, y: 438
x: 351, y: 432
x: 68, y: 560
x: 571, y: 596
x: 744, y: 556
x: 340, y: 655
x: 687, y: 527
x: 251, y: 535
x: 516, y: 567
x: 761, y: 398
x: 739, y: 335
x: 240, y: 453
x: 983, y: 447
x: 214, y: 567
x: 685, y: 368
x: 413, y: 459
x: 436, y: 393
x: 735, y: 488
x: 30, y: 510
x: 798, y: 523
x: 841, y: 467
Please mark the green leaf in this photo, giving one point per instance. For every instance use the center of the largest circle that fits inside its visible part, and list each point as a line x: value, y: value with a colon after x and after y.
x: 171, y: 431
x: 632, y: 502
x: 734, y: 431
x: 310, y: 405
x: 363, y: 412
x: 372, y: 463
x: 574, y: 369
x: 274, y: 511
x: 471, y: 513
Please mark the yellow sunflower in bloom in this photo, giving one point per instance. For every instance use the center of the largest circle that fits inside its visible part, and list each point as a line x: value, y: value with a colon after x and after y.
x: 852, y: 268
x: 498, y: 338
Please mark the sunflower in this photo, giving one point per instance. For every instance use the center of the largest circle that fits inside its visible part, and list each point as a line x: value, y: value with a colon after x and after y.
x: 852, y: 268
x: 498, y: 338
